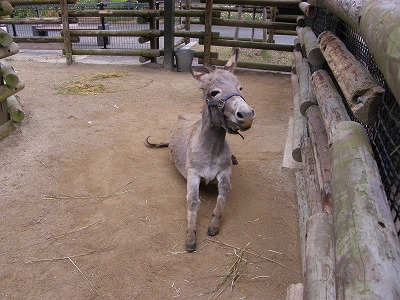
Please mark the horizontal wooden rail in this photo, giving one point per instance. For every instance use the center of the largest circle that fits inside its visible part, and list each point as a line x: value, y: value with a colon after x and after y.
x: 96, y: 32
x: 253, y: 45
x: 138, y: 13
x: 255, y: 24
x: 116, y: 52
x: 276, y: 3
x: 36, y: 21
x: 43, y: 39
x: 251, y: 65
x: 37, y: 2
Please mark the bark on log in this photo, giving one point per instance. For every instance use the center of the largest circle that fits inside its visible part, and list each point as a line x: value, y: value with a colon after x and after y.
x: 301, y: 187
x: 5, y: 38
x: 320, y: 145
x: 8, y: 74
x: 329, y: 100
x: 15, y: 109
x: 312, y: 50
x: 7, y: 91
x: 319, y: 279
x: 299, y: 121
x: 363, y: 94
x: 314, y: 201
x: 6, y: 129
x: 5, y: 8
x: 347, y: 10
x: 307, y: 96
x: 380, y: 29
x: 309, y: 10
x: 294, y: 292
x: 366, y: 244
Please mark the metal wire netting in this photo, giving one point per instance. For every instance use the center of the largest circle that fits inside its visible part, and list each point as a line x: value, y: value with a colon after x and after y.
x: 107, y: 23
x: 385, y: 133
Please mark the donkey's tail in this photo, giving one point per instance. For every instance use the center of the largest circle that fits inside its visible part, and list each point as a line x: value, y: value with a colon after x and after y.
x: 151, y: 145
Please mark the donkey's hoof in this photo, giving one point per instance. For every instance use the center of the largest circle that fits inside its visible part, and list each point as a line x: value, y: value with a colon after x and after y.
x: 212, y: 231
x: 190, y: 247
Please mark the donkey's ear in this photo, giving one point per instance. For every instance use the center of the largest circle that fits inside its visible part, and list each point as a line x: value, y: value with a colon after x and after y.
x: 231, y: 64
x: 199, y: 73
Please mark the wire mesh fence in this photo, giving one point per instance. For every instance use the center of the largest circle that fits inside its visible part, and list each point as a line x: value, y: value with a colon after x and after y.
x: 385, y: 133
x: 95, y: 23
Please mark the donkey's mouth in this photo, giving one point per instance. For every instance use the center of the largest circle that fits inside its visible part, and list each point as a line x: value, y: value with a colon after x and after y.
x: 235, y: 127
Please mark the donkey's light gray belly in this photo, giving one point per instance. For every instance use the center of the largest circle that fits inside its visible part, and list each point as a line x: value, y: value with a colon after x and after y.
x: 180, y: 139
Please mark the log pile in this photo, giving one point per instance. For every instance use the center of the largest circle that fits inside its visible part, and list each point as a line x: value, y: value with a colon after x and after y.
x: 10, y: 107
x: 349, y: 244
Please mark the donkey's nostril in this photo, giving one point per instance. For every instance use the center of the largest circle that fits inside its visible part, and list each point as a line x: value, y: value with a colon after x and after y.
x: 239, y: 116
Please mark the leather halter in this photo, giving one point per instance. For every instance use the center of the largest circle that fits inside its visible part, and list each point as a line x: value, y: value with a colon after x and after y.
x: 221, y: 105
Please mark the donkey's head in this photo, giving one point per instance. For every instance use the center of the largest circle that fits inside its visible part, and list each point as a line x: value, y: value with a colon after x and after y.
x: 223, y: 96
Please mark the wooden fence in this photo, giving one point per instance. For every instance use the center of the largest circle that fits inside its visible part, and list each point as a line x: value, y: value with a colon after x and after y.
x: 275, y: 21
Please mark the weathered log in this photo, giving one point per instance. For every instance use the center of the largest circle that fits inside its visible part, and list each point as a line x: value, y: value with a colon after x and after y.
x: 8, y: 51
x: 314, y: 201
x: 32, y: 21
x: 380, y: 29
x: 5, y: 8
x: 312, y: 50
x: 6, y: 39
x: 297, y: 45
x: 329, y: 100
x: 287, y: 161
x: 294, y: 292
x: 37, y: 2
x: 67, y: 48
x: 9, y: 75
x: 366, y: 244
x: 254, y: 24
x: 301, y: 21
x: 307, y: 96
x: 303, y: 216
x: 277, y: 3
x: 299, y: 122
x: 320, y: 145
x: 15, y: 109
x: 114, y: 13
x: 6, y: 129
x: 363, y: 94
x: 309, y: 10
x: 44, y: 39
x: 7, y: 91
x: 319, y: 278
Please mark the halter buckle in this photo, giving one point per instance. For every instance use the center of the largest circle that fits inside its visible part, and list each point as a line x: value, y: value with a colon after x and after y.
x: 221, y: 103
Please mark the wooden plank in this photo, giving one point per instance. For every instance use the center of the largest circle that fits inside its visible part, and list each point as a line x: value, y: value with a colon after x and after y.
x: 207, y: 34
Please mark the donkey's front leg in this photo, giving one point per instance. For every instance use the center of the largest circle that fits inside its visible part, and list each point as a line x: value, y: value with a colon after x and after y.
x: 224, y: 187
x: 193, y: 203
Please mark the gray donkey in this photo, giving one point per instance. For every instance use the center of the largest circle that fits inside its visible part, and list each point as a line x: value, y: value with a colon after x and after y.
x: 198, y: 146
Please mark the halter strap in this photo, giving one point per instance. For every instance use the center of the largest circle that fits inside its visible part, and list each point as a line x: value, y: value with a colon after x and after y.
x: 221, y: 105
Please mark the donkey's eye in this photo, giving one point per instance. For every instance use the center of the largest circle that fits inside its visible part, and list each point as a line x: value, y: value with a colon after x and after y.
x: 214, y: 93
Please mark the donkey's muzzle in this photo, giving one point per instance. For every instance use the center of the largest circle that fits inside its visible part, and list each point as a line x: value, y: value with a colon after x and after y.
x: 244, y: 118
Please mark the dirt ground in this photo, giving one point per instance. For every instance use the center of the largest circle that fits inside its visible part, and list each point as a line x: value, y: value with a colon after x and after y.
x: 88, y: 212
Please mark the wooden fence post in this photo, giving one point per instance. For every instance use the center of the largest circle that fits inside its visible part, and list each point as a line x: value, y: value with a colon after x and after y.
x: 207, y: 34
x: 169, y: 28
x: 65, y: 30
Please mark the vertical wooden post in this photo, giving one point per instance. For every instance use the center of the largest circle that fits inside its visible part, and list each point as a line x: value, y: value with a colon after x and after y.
x: 152, y: 25
x: 187, y: 20
x: 169, y: 27
x: 207, y: 32
x: 66, y: 35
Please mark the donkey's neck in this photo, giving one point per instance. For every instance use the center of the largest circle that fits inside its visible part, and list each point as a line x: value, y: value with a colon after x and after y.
x: 211, y: 131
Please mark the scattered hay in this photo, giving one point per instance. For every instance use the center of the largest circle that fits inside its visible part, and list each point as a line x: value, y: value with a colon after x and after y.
x: 86, y: 84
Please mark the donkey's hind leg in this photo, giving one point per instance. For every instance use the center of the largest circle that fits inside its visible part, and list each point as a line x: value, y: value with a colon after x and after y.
x: 193, y: 203
x: 224, y: 187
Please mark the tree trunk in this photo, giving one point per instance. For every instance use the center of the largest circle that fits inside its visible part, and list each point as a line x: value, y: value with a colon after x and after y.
x: 313, y: 52
x: 319, y: 279
x: 366, y: 244
x: 330, y: 102
x: 380, y: 29
x: 363, y: 94
x: 319, y: 143
x: 15, y: 109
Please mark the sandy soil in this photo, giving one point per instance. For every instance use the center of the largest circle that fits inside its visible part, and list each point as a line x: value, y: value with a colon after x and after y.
x: 88, y: 212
